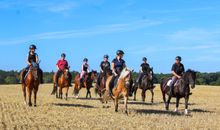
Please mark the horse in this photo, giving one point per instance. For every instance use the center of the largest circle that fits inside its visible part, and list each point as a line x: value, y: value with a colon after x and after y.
x: 31, y: 84
x: 121, y: 90
x: 146, y: 84
x: 181, y: 89
x: 87, y: 83
x: 63, y: 84
x: 101, y: 87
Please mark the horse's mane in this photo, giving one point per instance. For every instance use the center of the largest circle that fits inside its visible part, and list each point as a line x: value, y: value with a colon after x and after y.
x: 125, y: 72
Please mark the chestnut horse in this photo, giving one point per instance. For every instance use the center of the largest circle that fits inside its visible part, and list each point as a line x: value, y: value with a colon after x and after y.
x: 121, y: 90
x: 146, y: 84
x: 31, y: 83
x: 63, y: 84
x: 181, y: 89
x: 87, y: 83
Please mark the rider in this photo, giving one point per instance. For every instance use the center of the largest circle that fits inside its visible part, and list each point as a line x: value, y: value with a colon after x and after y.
x: 32, y: 60
x: 118, y: 64
x: 145, y: 67
x: 62, y: 64
x: 105, y: 67
x: 177, y: 71
x: 84, y: 70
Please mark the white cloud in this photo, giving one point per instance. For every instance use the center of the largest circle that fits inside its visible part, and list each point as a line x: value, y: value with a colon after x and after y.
x: 97, y: 30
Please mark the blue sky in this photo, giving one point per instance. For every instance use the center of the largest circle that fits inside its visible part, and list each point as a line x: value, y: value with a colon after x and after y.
x: 157, y: 29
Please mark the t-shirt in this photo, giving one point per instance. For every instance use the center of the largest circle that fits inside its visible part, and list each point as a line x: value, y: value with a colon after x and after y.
x: 62, y: 64
x: 32, y: 57
x: 105, y: 65
x: 118, y: 65
x: 178, y: 69
x: 145, y: 67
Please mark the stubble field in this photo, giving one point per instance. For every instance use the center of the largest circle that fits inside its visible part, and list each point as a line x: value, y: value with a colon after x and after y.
x: 56, y: 114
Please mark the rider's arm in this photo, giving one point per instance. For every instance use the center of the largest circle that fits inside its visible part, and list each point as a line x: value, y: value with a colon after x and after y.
x: 37, y: 59
x: 113, y: 69
x: 101, y: 67
x: 174, y: 73
x: 28, y: 61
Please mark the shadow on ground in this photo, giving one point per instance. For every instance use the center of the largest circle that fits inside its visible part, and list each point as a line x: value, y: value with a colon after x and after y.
x: 73, y: 105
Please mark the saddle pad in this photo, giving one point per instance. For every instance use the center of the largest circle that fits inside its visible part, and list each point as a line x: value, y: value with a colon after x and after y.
x: 169, y: 82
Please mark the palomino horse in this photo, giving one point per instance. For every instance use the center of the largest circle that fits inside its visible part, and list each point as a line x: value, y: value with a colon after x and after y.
x: 63, y: 84
x: 87, y: 83
x: 181, y: 89
x: 121, y: 89
x: 146, y: 84
x: 31, y: 83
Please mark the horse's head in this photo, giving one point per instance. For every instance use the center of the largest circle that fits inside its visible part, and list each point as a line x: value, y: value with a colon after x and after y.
x: 66, y: 73
x: 34, y: 71
x: 126, y: 75
x: 191, y: 75
x: 150, y: 73
x: 94, y: 75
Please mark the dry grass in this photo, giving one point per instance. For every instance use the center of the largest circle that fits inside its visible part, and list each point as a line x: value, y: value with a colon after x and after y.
x: 52, y: 113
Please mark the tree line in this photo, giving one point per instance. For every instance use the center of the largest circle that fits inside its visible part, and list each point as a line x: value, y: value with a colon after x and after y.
x: 12, y: 77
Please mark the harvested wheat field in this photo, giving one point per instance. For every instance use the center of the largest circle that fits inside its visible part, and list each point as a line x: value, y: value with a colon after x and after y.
x: 56, y: 114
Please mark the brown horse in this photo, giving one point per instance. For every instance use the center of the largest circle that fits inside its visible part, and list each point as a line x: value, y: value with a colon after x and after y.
x: 31, y: 83
x: 63, y: 84
x: 146, y: 84
x: 181, y: 89
x: 87, y: 83
x: 121, y: 90
x: 101, y: 87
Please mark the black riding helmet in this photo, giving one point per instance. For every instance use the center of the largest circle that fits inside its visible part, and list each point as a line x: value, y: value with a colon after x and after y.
x: 63, y: 55
x: 85, y: 60
x: 32, y: 47
x: 106, y: 56
x: 120, y: 52
x: 179, y: 58
x: 144, y: 59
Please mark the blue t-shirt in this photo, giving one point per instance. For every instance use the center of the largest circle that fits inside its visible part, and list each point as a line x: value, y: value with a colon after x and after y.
x: 119, y: 65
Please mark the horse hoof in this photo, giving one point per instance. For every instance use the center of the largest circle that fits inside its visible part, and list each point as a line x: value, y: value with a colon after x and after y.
x: 186, y: 112
x: 176, y: 110
x: 30, y: 105
x: 35, y: 105
x: 126, y: 112
x: 116, y: 110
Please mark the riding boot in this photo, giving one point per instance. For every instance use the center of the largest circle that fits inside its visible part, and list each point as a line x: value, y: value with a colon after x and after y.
x: 171, y: 90
x: 81, y: 82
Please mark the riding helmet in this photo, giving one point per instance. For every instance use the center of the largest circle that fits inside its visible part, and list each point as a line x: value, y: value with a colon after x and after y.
x: 144, y: 59
x: 120, y: 52
x: 179, y: 58
x: 106, y: 56
x: 85, y: 60
x: 32, y: 47
x: 63, y: 55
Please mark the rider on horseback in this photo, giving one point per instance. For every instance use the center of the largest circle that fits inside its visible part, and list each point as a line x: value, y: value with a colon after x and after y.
x: 62, y: 64
x: 118, y: 64
x: 145, y: 67
x: 105, y: 68
x: 32, y: 60
x: 177, y: 71
x: 84, y: 70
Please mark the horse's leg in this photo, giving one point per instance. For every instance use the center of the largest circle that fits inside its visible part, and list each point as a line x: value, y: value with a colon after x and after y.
x: 116, y: 104
x: 186, y: 104
x: 168, y: 103
x: 152, y: 93
x: 90, y: 95
x: 143, y: 95
x: 126, y: 104
x: 60, y: 92
x: 177, y: 103
x: 87, y: 93
x: 24, y: 93
x: 135, y: 93
x: 164, y: 98
x: 29, y: 96
x: 35, y: 96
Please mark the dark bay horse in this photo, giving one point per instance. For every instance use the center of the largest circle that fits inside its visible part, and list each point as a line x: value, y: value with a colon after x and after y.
x: 87, y: 83
x: 121, y: 90
x: 181, y: 89
x: 31, y: 83
x: 63, y: 85
x: 101, y: 87
x: 146, y: 84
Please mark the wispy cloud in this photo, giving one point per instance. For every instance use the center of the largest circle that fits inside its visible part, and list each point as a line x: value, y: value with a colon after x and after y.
x: 96, y: 30
x: 194, y: 35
